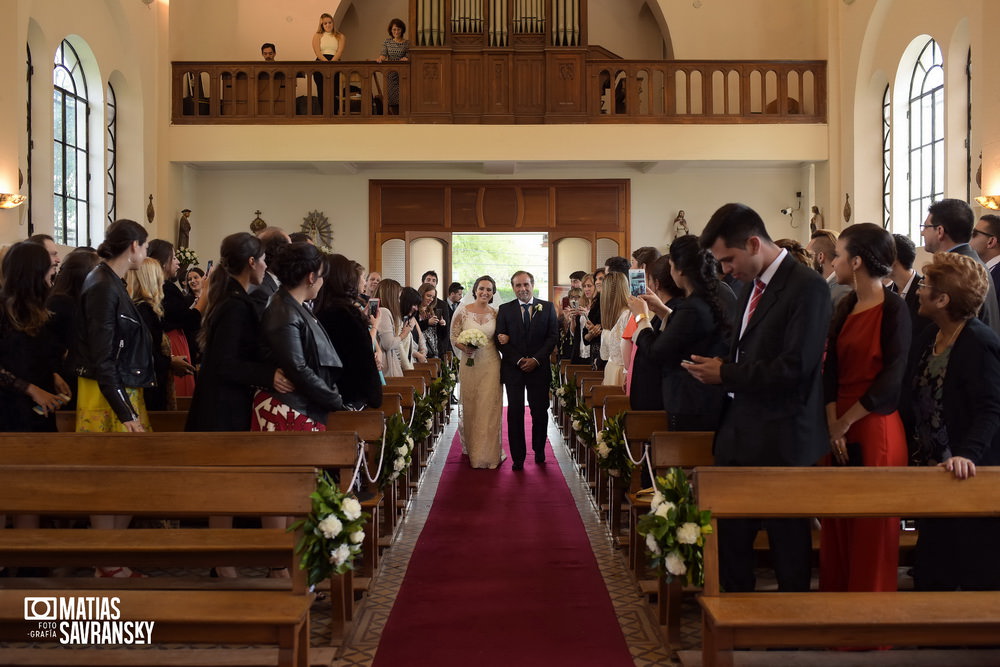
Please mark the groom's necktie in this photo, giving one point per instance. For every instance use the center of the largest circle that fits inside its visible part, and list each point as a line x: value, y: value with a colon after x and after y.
x: 524, y: 314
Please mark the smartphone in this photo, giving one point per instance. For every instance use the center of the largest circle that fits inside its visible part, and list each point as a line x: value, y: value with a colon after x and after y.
x: 637, y: 282
x: 208, y: 267
x: 373, y: 307
x: 686, y: 362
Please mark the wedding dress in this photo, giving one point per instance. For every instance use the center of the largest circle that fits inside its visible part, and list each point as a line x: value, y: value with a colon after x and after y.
x: 481, y: 397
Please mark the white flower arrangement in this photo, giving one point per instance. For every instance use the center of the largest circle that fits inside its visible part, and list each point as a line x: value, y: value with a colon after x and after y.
x: 398, y: 448
x: 330, y: 533
x: 675, y: 529
x: 186, y: 257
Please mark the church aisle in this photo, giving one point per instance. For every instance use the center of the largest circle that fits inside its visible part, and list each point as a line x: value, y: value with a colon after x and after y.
x: 503, y: 573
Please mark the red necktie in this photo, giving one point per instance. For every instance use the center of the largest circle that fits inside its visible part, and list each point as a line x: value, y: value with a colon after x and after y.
x: 758, y: 291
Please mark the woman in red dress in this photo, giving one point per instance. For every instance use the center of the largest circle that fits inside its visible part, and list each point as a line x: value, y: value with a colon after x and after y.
x: 863, y: 372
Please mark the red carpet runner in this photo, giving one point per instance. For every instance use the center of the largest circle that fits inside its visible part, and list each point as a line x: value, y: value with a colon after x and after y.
x: 502, y: 574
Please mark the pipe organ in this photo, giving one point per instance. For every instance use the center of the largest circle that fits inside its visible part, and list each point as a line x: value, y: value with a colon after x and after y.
x: 498, y: 23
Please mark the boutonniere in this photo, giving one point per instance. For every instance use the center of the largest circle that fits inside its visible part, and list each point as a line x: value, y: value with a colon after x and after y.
x: 538, y: 308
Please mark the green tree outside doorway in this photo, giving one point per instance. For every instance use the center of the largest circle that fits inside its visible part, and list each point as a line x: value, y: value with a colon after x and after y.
x: 499, y: 256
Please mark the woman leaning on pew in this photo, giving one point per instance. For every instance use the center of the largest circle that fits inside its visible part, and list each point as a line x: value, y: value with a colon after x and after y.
x: 865, y: 363
x: 113, y: 352
x: 298, y: 344
x: 954, y: 382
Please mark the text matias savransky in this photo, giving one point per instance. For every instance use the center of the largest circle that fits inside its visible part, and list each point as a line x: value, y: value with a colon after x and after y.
x: 84, y: 621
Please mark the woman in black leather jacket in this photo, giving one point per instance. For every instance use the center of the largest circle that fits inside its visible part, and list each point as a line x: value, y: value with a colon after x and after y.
x: 299, y: 345
x: 113, y: 352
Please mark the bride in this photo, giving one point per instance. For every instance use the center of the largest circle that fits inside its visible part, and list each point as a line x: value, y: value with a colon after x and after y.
x: 482, y: 401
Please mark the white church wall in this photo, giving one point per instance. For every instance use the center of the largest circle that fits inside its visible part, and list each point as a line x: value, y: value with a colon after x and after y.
x: 224, y: 201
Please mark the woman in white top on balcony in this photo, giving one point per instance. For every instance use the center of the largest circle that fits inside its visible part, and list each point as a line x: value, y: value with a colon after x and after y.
x: 327, y: 43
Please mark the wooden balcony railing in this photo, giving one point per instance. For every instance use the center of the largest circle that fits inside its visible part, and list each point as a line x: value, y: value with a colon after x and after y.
x: 501, y: 86
x: 289, y: 92
x: 691, y: 91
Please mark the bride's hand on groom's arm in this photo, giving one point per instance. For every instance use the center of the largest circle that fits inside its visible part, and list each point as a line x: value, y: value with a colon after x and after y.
x: 503, y: 339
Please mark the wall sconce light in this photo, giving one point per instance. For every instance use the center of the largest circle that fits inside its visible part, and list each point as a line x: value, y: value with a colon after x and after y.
x: 12, y: 201
x: 991, y: 202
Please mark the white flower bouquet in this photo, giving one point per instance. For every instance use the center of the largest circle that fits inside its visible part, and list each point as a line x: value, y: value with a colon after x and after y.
x: 186, y: 256
x: 332, y: 533
x: 475, y: 339
x: 675, y: 529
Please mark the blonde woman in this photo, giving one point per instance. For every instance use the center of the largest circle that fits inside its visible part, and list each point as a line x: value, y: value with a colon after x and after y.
x: 327, y: 43
x: 391, y: 330
x: 614, y: 316
x: 145, y: 286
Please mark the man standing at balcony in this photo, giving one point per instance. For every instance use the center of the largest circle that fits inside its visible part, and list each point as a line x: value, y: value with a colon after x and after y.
x: 268, y: 51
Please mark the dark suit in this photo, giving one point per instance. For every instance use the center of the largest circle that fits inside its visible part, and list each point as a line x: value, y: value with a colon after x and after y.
x: 535, y: 340
x: 917, y: 322
x: 776, y: 414
x: 990, y: 312
x: 262, y: 293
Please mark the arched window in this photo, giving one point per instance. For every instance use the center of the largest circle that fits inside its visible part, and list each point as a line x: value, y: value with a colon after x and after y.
x: 111, y: 175
x: 926, y: 134
x: 968, y: 127
x: 27, y: 177
x: 886, y: 158
x: 70, y: 142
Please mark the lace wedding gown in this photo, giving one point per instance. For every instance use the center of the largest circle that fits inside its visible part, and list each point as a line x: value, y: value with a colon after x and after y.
x: 482, y: 401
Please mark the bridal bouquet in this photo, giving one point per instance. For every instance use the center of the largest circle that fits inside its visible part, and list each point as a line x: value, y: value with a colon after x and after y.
x: 332, y: 533
x: 675, y: 529
x: 475, y: 339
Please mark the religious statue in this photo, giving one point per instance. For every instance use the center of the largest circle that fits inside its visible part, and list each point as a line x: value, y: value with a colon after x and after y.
x: 680, y: 226
x: 816, y: 221
x: 184, y: 229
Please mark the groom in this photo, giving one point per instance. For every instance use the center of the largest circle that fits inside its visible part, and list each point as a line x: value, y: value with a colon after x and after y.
x: 526, y: 334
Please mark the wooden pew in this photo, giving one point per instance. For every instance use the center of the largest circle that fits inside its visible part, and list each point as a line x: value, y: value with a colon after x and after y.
x: 275, y: 617
x: 639, y: 426
x: 328, y: 449
x: 824, y: 619
x: 170, y: 421
x: 587, y: 457
x: 369, y: 425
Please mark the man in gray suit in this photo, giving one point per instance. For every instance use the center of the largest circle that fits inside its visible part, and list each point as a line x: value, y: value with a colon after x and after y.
x: 948, y: 228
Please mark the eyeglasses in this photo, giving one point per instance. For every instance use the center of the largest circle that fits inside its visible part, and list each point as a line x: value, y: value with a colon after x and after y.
x: 979, y: 231
x: 928, y: 226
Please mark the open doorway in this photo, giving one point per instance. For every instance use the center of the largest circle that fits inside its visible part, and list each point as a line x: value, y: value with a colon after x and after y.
x: 499, y: 256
